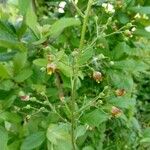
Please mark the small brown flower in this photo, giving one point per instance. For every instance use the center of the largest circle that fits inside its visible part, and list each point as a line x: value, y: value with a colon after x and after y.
x: 51, y: 68
x: 25, y: 97
x: 115, y: 112
x: 120, y: 92
x: 97, y: 76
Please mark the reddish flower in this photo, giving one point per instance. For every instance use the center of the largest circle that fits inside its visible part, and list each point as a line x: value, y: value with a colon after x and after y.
x: 97, y: 76
x: 25, y: 97
x: 115, y: 111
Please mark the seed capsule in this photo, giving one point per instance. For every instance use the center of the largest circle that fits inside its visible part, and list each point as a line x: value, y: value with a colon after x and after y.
x: 97, y: 76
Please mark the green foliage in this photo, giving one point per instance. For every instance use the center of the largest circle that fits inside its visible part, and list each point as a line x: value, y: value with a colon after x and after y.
x: 33, y: 141
x: 72, y: 78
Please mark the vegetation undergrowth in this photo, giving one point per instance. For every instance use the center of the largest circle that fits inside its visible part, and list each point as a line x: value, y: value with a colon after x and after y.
x: 74, y: 75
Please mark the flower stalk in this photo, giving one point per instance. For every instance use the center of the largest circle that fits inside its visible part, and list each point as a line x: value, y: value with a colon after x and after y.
x: 75, y: 74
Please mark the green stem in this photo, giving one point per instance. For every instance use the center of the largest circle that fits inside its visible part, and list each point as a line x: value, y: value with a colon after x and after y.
x: 75, y: 75
x: 85, y: 24
x: 73, y: 97
x: 77, y: 9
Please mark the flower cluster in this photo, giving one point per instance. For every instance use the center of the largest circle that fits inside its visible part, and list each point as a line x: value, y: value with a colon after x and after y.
x: 109, y: 8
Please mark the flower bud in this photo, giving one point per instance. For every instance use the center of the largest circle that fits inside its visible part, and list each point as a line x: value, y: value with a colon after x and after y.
x: 115, y: 112
x: 120, y: 92
x: 25, y: 98
x: 129, y: 25
x: 112, y: 63
x: 28, y: 107
x: 97, y: 76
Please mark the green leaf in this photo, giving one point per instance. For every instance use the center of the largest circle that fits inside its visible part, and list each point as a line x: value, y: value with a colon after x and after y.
x: 4, y: 72
x: 131, y: 66
x: 65, y: 69
x: 33, y: 141
x: 145, y: 140
x: 60, y: 25
x: 7, y: 56
x: 57, y: 132
x: 23, y: 75
x: 141, y: 9
x: 31, y: 19
x: 85, y: 56
x: 6, y: 85
x: 3, y: 138
x: 121, y: 79
x: 8, y: 39
x: 63, y: 145
x: 19, y: 61
x: 80, y: 131
x: 146, y: 132
x: 120, y: 50
x: 95, y: 118
x: 40, y: 62
x: 142, y: 32
x: 23, y: 6
x: 88, y: 148
x: 8, y: 102
x: 10, y: 117
x: 123, y: 102
x: 123, y: 18
x: 14, y: 146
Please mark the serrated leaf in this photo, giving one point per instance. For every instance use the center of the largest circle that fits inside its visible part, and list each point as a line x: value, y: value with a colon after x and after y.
x: 33, y: 141
x: 95, y: 118
x: 121, y: 79
x: 123, y: 102
x: 131, y: 65
x: 3, y: 138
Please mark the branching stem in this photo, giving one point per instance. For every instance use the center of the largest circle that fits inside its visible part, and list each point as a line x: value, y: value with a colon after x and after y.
x: 75, y: 74
x: 85, y: 24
